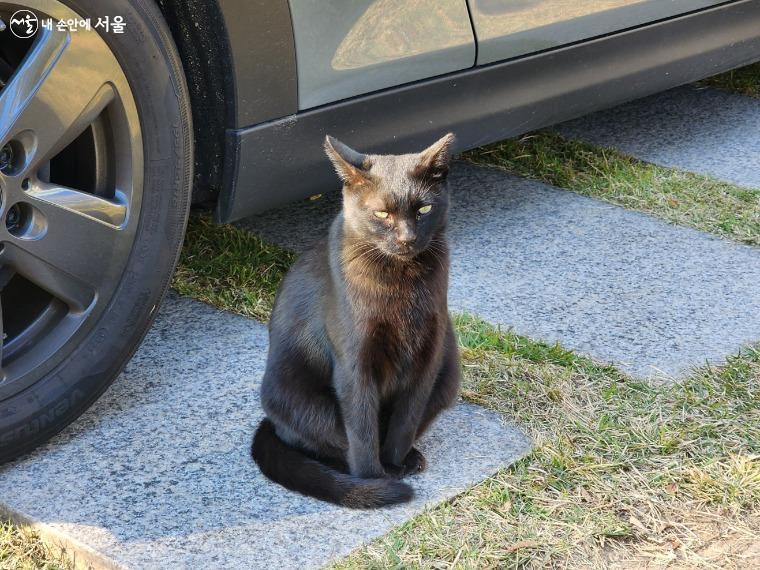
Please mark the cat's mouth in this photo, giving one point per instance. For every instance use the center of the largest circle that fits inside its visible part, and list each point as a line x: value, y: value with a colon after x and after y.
x: 402, y: 252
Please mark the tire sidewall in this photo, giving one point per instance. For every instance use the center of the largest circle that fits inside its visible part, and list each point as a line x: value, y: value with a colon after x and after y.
x: 150, y: 62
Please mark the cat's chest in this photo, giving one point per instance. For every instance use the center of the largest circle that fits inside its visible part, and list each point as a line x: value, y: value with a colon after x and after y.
x: 397, y: 326
x: 389, y: 296
x: 394, y: 351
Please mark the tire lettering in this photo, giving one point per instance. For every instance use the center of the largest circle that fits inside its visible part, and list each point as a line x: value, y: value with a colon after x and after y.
x: 43, y: 420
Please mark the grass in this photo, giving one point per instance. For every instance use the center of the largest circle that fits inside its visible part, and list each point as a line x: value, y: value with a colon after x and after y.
x: 22, y: 549
x: 623, y: 472
x: 230, y: 268
x: 745, y: 80
x: 679, y: 197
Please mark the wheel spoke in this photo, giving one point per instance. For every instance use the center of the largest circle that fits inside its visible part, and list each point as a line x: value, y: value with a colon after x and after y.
x: 78, y: 248
x: 77, y: 294
x: 6, y: 273
x: 59, y: 90
x: 108, y: 211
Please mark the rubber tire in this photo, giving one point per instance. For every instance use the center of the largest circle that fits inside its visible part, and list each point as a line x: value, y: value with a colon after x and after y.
x: 153, y: 68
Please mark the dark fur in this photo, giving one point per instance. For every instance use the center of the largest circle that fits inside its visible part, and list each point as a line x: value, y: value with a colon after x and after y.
x: 362, y: 354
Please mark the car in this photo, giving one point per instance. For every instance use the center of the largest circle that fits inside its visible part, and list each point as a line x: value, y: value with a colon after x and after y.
x: 117, y: 115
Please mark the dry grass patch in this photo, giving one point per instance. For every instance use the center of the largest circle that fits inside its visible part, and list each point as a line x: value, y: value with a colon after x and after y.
x: 22, y: 549
x: 623, y: 474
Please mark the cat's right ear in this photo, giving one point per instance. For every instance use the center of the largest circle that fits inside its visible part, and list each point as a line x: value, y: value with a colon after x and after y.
x: 350, y: 165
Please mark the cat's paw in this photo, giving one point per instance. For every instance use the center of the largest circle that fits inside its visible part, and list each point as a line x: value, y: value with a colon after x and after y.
x: 394, y: 471
x: 414, y: 462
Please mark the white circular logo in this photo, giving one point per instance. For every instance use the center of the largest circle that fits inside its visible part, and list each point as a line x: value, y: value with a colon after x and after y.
x: 24, y: 24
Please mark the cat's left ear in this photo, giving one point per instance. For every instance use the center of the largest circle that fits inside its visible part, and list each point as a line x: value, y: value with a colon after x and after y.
x: 433, y: 162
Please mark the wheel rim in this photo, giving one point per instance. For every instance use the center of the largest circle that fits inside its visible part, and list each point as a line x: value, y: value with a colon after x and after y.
x: 71, y: 169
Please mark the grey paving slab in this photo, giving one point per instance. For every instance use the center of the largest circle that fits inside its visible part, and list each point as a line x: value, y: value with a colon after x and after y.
x: 697, y: 129
x: 621, y: 286
x: 157, y: 474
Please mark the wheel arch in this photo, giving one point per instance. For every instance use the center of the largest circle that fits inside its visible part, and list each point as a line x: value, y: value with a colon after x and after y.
x: 198, y: 30
x: 240, y: 65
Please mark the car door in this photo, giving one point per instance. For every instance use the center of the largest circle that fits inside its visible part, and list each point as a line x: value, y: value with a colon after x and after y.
x: 349, y: 47
x: 511, y: 28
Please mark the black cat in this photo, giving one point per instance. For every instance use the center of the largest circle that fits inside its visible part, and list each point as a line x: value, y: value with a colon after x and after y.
x: 362, y: 354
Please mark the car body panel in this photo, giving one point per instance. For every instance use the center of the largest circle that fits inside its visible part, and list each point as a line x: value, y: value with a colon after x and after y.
x: 511, y: 28
x: 351, y: 47
x: 274, y: 163
x: 263, y: 55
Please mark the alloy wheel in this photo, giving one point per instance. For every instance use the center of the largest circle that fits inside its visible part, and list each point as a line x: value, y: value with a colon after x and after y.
x: 71, y: 173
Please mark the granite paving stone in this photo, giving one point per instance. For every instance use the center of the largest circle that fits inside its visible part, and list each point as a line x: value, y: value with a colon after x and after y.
x: 158, y: 474
x: 621, y: 286
x: 693, y: 128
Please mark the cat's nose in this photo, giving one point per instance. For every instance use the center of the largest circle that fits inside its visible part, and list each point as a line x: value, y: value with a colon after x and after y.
x: 405, y: 235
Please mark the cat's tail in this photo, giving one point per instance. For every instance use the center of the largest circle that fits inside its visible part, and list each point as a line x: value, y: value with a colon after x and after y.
x: 296, y: 471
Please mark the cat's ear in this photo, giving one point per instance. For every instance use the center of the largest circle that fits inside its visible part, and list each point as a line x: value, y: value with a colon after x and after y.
x: 433, y: 162
x: 350, y: 165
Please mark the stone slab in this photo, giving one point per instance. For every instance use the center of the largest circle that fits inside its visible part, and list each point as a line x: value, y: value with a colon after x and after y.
x: 618, y: 285
x: 696, y: 129
x: 157, y: 474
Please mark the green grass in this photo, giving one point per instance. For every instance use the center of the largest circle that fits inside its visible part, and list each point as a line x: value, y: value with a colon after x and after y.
x: 679, y: 197
x: 230, y: 268
x: 745, y: 80
x: 22, y: 549
x: 622, y: 470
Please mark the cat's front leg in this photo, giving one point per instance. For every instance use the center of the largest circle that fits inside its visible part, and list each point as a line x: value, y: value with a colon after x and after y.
x: 397, y: 453
x: 359, y: 402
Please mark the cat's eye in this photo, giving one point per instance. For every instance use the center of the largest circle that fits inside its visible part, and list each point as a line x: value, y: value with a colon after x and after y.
x: 425, y: 209
x: 382, y: 215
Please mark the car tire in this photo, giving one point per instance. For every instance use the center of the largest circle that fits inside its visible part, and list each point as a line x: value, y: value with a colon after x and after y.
x: 83, y: 371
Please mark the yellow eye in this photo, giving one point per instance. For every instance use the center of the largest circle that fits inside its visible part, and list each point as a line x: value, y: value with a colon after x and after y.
x: 425, y: 209
x: 381, y: 215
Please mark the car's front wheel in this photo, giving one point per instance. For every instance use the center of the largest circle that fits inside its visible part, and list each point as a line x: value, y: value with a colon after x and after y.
x: 95, y: 177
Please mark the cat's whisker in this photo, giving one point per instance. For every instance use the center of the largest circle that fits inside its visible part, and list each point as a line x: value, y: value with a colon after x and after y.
x: 371, y: 251
x: 440, y: 252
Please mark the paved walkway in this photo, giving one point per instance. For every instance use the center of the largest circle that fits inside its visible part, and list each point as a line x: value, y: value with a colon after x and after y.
x: 157, y: 474
x: 618, y: 285
x: 701, y: 130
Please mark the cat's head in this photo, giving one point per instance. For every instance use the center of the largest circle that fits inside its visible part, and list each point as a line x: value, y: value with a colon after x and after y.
x: 396, y: 202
